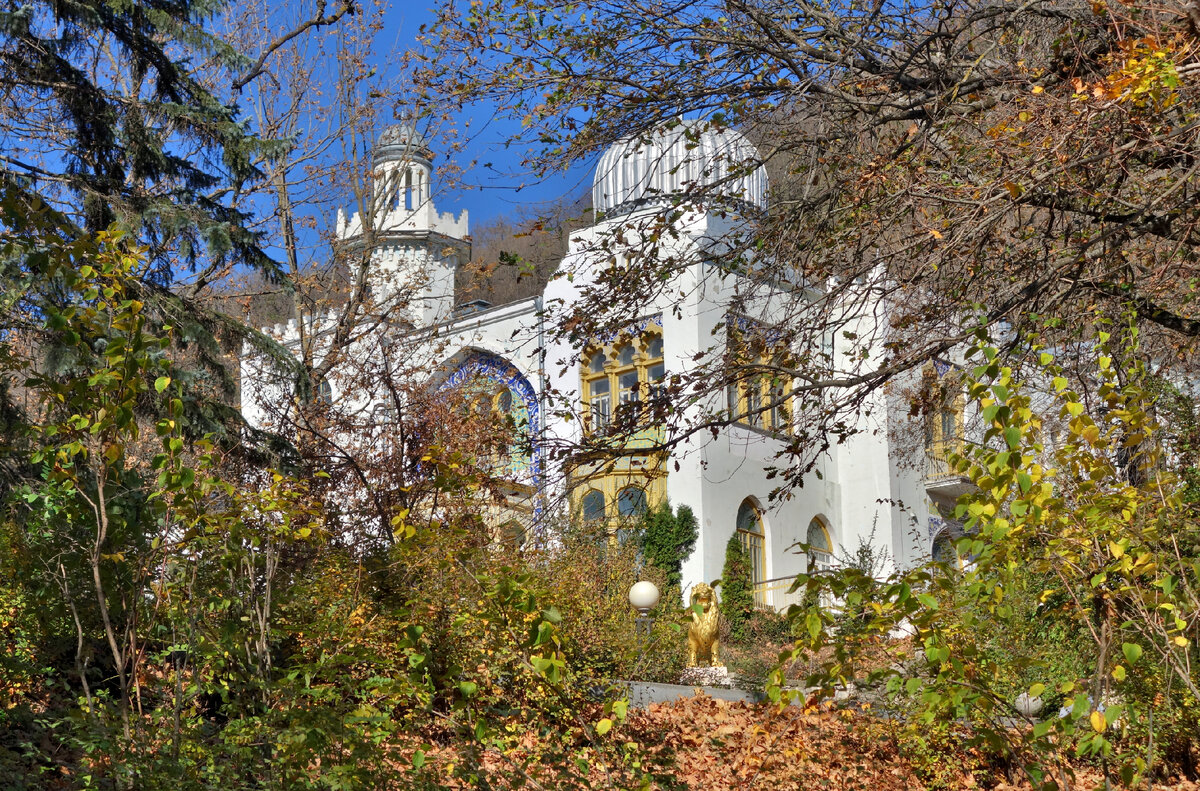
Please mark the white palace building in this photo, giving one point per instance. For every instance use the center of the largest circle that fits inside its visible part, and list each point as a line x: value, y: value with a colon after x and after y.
x: 860, y: 491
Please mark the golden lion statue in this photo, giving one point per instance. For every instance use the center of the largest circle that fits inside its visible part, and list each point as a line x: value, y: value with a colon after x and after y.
x: 703, y: 635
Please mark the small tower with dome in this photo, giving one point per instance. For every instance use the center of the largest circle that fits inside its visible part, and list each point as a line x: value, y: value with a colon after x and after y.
x: 416, y: 248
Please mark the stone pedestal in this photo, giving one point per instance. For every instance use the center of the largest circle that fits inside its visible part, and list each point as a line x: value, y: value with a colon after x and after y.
x: 705, y: 677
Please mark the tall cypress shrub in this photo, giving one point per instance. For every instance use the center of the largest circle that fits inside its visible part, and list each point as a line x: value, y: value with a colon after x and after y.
x: 668, y: 538
x: 737, y: 589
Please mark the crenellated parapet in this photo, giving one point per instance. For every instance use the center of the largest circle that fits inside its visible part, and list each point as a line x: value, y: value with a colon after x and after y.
x: 398, y: 220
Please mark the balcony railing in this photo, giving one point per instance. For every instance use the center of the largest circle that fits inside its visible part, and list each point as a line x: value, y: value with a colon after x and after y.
x: 937, y: 459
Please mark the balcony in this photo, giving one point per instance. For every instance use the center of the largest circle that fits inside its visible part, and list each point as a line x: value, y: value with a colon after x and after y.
x: 940, y: 478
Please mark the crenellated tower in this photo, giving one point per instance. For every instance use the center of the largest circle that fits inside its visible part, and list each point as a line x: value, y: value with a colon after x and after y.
x: 416, y: 248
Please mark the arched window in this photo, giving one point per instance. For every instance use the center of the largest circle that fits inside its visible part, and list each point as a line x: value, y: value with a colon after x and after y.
x: 504, y: 401
x: 656, y: 370
x: 324, y: 392
x: 627, y: 381
x: 631, y: 502
x: 598, y: 392
x: 820, y: 548
x: 944, y: 426
x: 512, y: 534
x: 592, y: 505
x: 944, y: 550
x: 751, y: 534
x: 631, y: 505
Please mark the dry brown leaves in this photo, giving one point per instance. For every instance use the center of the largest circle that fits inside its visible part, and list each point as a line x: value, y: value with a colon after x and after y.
x: 712, y: 745
x: 717, y: 745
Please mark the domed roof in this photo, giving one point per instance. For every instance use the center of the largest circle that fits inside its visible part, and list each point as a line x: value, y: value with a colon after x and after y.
x: 696, y: 157
x: 401, y: 142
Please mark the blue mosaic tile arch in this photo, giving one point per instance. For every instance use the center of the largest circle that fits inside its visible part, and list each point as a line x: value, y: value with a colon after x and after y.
x: 489, y: 367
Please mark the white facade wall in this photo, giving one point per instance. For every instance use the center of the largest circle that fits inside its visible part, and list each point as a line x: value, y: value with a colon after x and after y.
x: 860, y: 487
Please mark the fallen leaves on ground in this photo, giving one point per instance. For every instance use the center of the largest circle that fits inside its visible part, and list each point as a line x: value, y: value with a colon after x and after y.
x: 716, y: 745
x: 703, y: 744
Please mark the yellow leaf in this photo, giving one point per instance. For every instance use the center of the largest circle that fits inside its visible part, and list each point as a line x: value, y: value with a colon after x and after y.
x: 1181, y: 641
x: 934, y: 233
x: 1038, y: 89
x: 1119, y: 673
x: 1116, y: 549
x: 1098, y: 723
x: 605, y: 725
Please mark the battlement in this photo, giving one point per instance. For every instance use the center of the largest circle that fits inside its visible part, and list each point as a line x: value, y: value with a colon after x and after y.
x: 423, y: 219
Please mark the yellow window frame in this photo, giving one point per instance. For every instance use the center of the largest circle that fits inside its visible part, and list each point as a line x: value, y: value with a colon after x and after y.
x: 759, y: 393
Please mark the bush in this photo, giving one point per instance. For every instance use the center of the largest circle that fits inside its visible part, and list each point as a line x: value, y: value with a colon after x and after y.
x: 587, y: 577
x: 668, y: 539
x: 737, y: 591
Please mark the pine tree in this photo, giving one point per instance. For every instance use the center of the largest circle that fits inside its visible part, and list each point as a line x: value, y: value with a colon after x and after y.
x: 113, y: 118
x: 668, y: 539
x: 737, y: 589
x: 119, y: 126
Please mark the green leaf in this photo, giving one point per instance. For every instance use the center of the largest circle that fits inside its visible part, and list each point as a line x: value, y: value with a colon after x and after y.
x: 812, y: 622
x: 1036, y: 690
x: 161, y: 383
x: 418, y: 759
x: 1012, y: 435
x: 467, y: 688
x: 1132, y: 651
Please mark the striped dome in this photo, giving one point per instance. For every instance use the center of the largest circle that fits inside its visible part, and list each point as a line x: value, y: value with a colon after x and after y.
x: 691, y: 157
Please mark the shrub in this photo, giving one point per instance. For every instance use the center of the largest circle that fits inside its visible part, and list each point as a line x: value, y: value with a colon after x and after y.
x: 587, y: 577
x: 737, y: 590
x: 668, y: 539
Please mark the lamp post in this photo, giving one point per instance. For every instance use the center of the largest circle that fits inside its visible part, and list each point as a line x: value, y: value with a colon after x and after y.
x: 644, y: 597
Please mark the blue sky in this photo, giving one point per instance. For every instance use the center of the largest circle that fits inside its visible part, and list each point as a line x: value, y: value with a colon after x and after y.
x: 501, y: 189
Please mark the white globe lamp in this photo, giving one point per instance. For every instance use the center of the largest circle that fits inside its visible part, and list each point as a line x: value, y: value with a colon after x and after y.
x: 643, y: 596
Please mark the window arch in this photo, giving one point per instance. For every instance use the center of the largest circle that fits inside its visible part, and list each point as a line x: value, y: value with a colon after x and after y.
x: 593, y: 506
x: 751, y: 533
x: 631, y: 502
x: 820, y: 547
x: 944, y: 550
